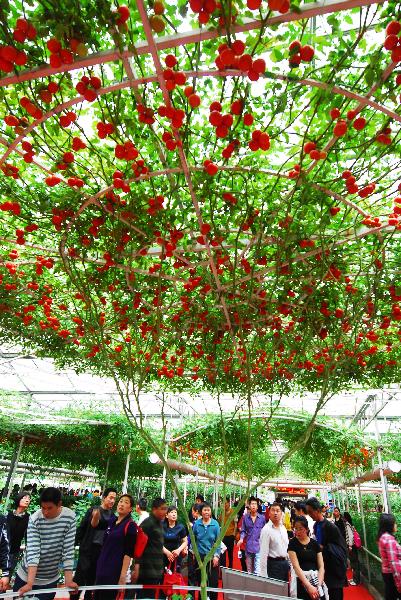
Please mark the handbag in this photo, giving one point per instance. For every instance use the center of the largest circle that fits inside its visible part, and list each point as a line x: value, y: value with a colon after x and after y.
x: 357, y: 539
x: 173, y: 578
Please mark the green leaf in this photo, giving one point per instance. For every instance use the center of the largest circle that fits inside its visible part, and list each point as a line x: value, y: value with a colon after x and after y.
x: 276, y: 55
x: 370, y: 76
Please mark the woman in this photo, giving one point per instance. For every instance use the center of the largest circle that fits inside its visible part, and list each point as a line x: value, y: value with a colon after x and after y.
x: 229, y: 536
x: 339, y: 521
x: 307, y: 561
x: 353, y: 550
x: 17, y: 524
x: 117, y: 550
x: 206, y: 531
x: 175, y: 539
x: 390, y: 552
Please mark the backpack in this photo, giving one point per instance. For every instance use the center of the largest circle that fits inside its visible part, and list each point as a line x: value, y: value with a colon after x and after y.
x: 357, y: 539
x: 141, y: 539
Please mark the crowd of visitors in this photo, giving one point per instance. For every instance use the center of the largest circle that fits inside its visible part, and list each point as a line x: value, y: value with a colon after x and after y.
x: 294, y: 543
x: 35, y: 489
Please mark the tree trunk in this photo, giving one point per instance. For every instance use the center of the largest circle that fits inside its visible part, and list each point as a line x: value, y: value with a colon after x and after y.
x: 203, y: 570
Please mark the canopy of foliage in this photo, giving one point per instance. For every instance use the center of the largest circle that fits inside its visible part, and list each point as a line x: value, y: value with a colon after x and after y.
x: 203, y: 193
x: 75, y: 441
x: 333, y: 449
x: 76, y: 445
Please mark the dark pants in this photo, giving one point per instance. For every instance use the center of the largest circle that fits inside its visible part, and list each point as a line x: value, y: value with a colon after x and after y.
x: 212, y: 578
x: 228, y: 540
x: 14, y: 557
x: 175, y: 564
x: 335, y: 593
x: 85, y: 573
x: 151, y: 593
x: 390, y: 591
x: 19, y: 583
x: 302, y: 594
x: 243, y: 562
x: 104, y: 594
x: 278, y: 569
x: 355, y: 566
x: 191, y: 569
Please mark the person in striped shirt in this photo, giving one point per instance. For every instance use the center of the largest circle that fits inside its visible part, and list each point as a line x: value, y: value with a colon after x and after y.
x: 50, y: 542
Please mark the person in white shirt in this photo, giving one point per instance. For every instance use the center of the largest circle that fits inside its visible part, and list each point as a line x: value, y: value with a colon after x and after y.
x: 300, y: 511
x: 274, y: 546
x: 141, y: 510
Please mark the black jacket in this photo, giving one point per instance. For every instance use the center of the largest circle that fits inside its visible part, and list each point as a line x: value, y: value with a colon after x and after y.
x: 17, y: 527
x: 334, y: 553
x: 341, y: 526
x: 85, y: 536
x: 4, y: 547
x: 151, y: 561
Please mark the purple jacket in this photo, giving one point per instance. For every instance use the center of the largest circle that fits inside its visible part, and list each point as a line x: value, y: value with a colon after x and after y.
x: 251, y: 530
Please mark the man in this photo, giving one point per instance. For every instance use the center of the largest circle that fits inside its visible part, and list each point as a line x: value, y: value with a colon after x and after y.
x: 251, y: 527
x: 90, y: 534
x: 334, y: 550
x: 192, y: 564
x: 151, y: 563
x: 141, y: 510
x: 300, y: 511
x: 274, y: 546
x: 50, y: 542
x: 206, y: 531
x: 229, y: 536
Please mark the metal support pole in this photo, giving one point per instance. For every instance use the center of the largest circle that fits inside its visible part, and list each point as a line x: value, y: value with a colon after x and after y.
x: 106, y: 475
x: 175, y: 487
x: 13, y: 468
x: 125, y: 483
x: 215, y: 495
x: 12, y: 464
x: 358, y: 506
x: 365, y: 543
x: 383, y: 478
x: 197, y: 478
x: 346, y: 499
x: 164, y: 477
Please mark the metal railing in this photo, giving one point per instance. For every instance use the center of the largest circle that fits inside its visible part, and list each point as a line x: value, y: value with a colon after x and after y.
x: 178, y: 589
x: 371, y: 570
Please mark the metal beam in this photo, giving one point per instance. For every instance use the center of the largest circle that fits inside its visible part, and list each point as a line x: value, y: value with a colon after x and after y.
x: 307, y: 11
x: 30, y: 466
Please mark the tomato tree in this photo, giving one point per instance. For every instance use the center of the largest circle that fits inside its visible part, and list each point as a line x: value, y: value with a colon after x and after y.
x: 203, y: 195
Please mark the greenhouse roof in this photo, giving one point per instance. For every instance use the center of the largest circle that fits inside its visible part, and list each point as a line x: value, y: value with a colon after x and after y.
x: 52, y: 389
